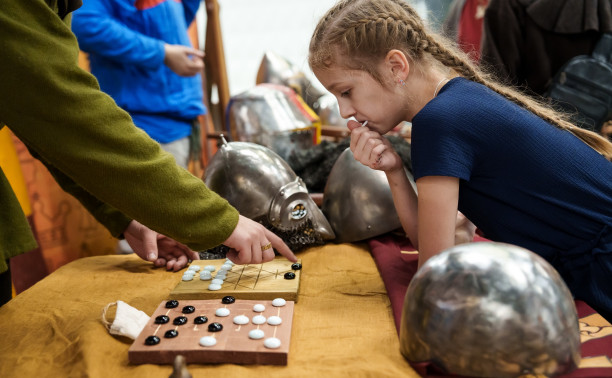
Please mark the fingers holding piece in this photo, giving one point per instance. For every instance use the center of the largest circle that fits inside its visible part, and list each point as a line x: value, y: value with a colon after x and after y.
x: 159, y: 262
x: 352, y: 124
x: 181, y: 262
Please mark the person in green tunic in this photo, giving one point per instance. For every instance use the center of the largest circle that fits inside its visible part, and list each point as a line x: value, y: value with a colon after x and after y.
x: 96, y: 153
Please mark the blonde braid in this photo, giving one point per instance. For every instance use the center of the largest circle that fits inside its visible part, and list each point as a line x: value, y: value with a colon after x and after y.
x: 366, y: 30
x: 465, y: 68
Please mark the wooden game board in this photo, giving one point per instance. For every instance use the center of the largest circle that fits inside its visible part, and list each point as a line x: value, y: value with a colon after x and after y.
x: 233, y: 343
x: 254, y: 281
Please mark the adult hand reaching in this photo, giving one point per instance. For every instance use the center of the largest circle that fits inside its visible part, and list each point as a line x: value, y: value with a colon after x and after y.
x: 252, y: 243
x: 157, y: 248
x: 183, y: 60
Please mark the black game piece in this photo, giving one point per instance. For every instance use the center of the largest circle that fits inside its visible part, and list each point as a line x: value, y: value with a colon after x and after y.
x: 228, y: 299
x: 296, y: 266
x: 188, y: 309
x: 200, y: 319
x: 179, y: 320
x: 162, y: 319
x: 171, y: 333
x: 152, y: 340
x: 215, y: 327
x: 289, y: 275
x: 172, y: 304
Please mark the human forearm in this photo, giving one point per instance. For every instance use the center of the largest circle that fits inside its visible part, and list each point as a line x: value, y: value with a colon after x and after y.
x: 437, y: 217
x: 57, y: 109
x: 405, y: 201
x: 111, y: 218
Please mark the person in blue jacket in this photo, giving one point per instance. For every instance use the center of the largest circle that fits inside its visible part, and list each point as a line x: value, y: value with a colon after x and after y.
x: 141, y: 54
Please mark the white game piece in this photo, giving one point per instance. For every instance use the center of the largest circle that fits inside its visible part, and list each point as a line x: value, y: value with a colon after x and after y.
x: 256, y: 334
x: 272, y: 343
x: 208, y: 341
x: 241, y: 319
x: 222, y: 311
x: 279, y: 302
x: 217, y: 281
x: 214, y: 287
x: 274, y: 320
x: 210, y: 268
x: 226, y: 267
x: 195, y: 268
x: 220, y: 276
x: 259, y: 319
x: 205, y: 275
x: 228, y: 261
x: 259, y: 308
x: 187, y: 277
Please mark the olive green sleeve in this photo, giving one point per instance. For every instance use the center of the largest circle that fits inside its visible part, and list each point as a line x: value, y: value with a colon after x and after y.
x: 111, y: 218
x: 58, y: 111
x: 15, y: 234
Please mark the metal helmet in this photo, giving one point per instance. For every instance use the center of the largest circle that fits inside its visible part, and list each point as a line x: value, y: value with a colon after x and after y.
x: 262, y: 187
x: 272, y: 117
x: 357, y: 201
x: 328, y: 110
x: 489, y: 309
x: 278, y: 70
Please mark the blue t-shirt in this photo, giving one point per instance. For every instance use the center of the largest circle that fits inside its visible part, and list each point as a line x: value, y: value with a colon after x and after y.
x: 522, y: 180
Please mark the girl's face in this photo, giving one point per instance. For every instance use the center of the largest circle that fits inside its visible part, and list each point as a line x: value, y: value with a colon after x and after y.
x: 364, y: 98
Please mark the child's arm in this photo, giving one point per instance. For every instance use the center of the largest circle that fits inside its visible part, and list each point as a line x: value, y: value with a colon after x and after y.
x: 376, y: 152
x: 405, y: 201
x: 437, y: 214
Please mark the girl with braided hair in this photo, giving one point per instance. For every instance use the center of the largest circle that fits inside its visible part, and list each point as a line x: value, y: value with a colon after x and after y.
x: 517, y: 169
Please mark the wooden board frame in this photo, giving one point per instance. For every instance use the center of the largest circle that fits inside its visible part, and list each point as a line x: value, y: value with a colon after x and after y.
x: 233, y: 343
x: 254, y: 281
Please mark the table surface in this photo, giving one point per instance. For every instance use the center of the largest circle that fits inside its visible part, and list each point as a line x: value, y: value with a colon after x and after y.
x: 342, y: 326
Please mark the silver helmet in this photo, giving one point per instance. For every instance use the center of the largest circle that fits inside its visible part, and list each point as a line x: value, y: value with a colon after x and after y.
x: 273, y: 117
x: 357, y: 200
x: 489, y: 309
x: 263, y: 187
x: 328, y: 110
x: 278, y: 70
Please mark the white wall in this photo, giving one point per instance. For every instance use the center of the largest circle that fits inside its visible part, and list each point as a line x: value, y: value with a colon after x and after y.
x: 251, y: 27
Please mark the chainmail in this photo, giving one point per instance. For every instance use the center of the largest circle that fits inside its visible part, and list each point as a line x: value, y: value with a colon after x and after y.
x: 314, y: 164
x: 296, y: 239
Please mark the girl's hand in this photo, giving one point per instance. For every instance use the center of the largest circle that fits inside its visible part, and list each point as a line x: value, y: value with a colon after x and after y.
x: 372, y: 149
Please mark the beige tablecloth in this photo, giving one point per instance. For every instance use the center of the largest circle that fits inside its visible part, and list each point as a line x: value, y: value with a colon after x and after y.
x: 342, y: 325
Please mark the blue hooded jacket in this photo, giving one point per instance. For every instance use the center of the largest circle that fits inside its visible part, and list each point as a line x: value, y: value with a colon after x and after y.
x: 125, y: 42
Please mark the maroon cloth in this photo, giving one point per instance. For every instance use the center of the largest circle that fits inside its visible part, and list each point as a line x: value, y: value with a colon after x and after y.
x: 470, y: 28
x: 397, y: 269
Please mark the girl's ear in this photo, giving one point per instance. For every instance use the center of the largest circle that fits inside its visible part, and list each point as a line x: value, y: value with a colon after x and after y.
x: 397, y: 62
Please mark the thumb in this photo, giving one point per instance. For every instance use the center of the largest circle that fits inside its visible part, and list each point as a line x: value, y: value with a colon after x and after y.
x: 198, y: 53
x: 352, y: 125
x: 191, y: 51
x: 149, y: 244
